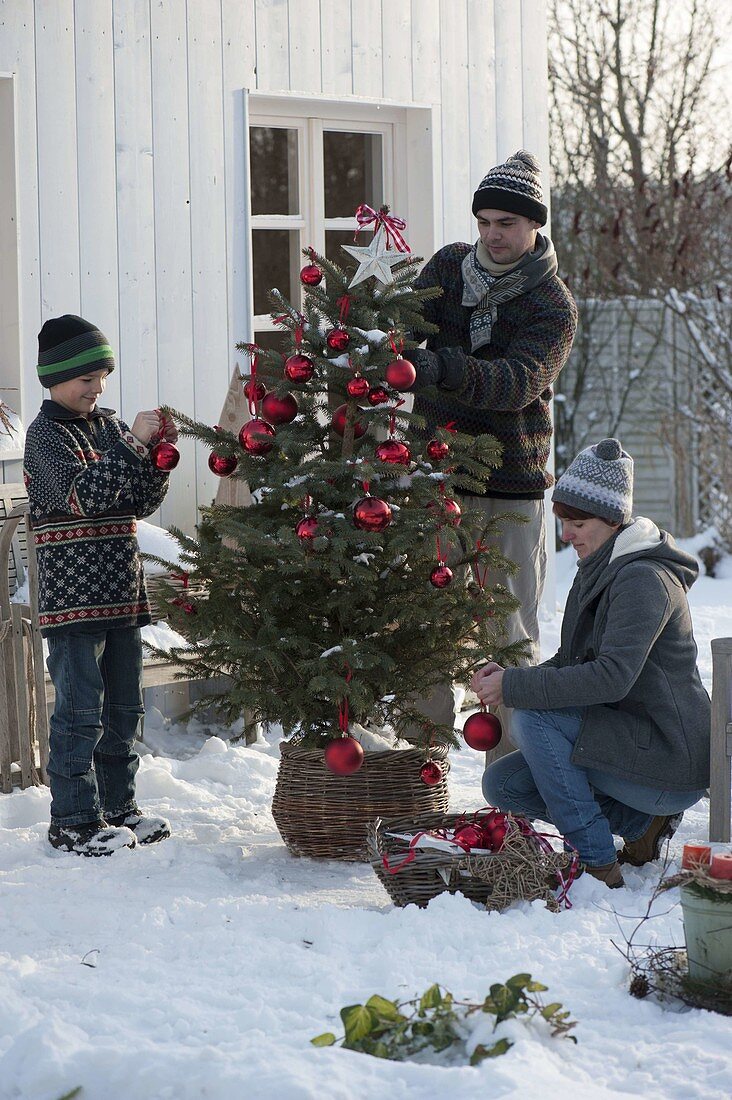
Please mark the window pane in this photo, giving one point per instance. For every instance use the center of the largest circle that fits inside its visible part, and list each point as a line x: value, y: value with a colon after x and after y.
x: 335, y: 238
x: 353, y: 172
x: 276, y: 262
x: 272, y: 340
x: 273, y: 154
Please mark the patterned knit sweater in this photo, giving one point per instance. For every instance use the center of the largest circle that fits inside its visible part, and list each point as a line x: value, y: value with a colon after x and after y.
x: 88, y: 481
x: 504, y: 387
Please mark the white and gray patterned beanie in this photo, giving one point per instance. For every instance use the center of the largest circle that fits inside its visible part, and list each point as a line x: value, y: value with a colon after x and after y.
x: 599, y: 481
x: 515, y: 187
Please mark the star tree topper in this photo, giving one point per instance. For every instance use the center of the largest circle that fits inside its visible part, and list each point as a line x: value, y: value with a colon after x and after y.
x: 376, y: 260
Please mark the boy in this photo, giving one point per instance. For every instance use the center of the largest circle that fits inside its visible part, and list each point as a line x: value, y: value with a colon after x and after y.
x: 89, y: 477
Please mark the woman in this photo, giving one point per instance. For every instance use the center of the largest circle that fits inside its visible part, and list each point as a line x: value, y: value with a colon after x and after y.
x: 613, y: 731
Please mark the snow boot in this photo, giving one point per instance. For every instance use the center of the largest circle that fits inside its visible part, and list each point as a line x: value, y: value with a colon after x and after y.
x: 93, y: 838
x: 609, y: 873
x: 648, y: 847
x: 147, y: 830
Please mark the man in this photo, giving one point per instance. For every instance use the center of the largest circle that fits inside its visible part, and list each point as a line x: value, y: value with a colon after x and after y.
x: 506, y: 325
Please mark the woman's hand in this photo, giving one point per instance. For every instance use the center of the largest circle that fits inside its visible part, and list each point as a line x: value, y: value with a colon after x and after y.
x: 487, y: 684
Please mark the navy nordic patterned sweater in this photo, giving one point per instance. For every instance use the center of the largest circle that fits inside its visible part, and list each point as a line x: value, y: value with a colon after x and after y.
x: 88, y: 481
x: 506, y: 385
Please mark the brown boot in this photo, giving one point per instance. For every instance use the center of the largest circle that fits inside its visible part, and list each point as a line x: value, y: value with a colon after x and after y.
x: 609, y: 873
x: 648, y: 846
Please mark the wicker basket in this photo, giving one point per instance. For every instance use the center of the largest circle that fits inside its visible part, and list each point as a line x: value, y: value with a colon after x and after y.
x: 520, y: 871
x: 326, y: 816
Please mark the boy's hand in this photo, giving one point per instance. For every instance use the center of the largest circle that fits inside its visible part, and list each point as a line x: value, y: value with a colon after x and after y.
x: 145, y: 426
x: 168, y: 430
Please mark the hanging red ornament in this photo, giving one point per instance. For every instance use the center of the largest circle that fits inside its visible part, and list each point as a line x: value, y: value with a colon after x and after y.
x: 222, y: 465
x: 343, y: 755
x: 400, y: 374
x: 186, y: 606
x: 371, y: 514
x: 337, y: 339
x: 394, y: 453
x: 482, y: 731
x: 378, y: 396
x: 450, y: 510
x: 338, y: 423
x: 164, y: 456
x: 430, y: 773
x: 307, y: 529
x: 357, y: 386
x: 437, y: 450
x: 279, y: 408
x: 441, y: 575
x: 256, y: 436
x: 299, y: 368
x: 254, y: 391
x: 311, y: 275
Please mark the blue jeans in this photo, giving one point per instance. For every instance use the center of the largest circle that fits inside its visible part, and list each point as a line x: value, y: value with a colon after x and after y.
x: 92, y: 765
x: 585, y: 805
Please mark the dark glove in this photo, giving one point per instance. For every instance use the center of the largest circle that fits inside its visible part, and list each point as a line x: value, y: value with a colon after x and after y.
x: 428, y: 367
x: 444, y: 368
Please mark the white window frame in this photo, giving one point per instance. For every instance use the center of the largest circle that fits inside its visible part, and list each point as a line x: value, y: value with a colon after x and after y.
x: 407, y: 152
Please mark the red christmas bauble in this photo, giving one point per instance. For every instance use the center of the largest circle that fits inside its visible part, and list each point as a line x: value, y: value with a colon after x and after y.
x: 254, y: 391
x: 298, y: 368
x: 256, y: 436
x: 441, y: 576
x: 338, y: 423
x: 437, y: 450
x: 279, y: 409
x: 311, y: 275
x: 451, y: 511
x: 378, y: 396
x: 307, y: 529
x: 470, y: 835
x: 337, y: 339
x: 371, y: 514
x: 482, y: 731
x: 400, y: 374
x: 343, y: 755
x: 357, y: 387
x: 222, y: 465
x: 430, y: 773
x: 496, y: 830
x: 164, y: 456
x: 394, y: 453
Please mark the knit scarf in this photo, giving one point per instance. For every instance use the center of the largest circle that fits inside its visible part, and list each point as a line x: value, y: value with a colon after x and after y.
x: 486, y: 292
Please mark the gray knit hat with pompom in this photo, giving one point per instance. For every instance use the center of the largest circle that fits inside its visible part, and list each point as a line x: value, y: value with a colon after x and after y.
x: 515, y: 187
x: 599, y: 481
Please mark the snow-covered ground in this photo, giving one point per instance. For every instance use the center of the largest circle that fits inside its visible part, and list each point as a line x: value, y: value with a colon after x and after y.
x: 203, y: 966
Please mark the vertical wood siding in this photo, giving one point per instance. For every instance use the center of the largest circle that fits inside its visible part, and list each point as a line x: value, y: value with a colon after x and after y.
x: 132, y: 159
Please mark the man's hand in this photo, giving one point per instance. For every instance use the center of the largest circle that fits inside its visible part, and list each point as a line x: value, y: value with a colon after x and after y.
x: 428, y: 367
x: 146, y: 425
x: 487, y: 684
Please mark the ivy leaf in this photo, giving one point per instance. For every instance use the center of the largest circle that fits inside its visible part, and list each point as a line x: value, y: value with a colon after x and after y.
x: 431, y: 998
x: 481, y: 1052
x: 549, y: 1010
x: 519, y: 981
x: 504, y: 1001
x: 327, y: 1039
x: 386, y: 1010
x: 358, y: 1021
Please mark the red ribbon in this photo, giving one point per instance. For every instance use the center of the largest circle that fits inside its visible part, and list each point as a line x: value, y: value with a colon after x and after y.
x: 182, y: 577
x: 343, y: 706
x: 397, y: 350
x: 480, y: 575
x: 344, y: 304
x: 392, y: 420
x: 366, y: 215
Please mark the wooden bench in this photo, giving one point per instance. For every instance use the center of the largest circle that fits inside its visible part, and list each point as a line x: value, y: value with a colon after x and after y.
x: 25, y: 686
x: 721, y: 749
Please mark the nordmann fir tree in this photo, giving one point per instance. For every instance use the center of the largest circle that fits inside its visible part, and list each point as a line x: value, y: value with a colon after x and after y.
x: 340, y: 595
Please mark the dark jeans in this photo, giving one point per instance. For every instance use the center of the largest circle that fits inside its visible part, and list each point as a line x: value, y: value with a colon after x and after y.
x: 92, y: 763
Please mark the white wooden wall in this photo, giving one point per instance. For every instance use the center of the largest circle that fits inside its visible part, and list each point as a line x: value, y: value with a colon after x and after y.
x: 130, y: 160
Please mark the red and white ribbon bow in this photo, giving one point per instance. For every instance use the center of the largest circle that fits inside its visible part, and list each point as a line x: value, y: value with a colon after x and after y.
x: 366, y: 215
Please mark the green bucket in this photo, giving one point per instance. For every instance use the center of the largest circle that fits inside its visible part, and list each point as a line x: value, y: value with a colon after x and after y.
x: 708, y: 934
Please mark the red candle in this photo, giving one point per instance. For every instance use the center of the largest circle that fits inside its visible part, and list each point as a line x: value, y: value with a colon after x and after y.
x: 695, y: 855
x: 721, y: 865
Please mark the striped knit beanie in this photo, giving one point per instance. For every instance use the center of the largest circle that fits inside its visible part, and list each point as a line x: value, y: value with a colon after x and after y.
x: 68, y: 347
x: 599, y: 481
x: 515, y: 187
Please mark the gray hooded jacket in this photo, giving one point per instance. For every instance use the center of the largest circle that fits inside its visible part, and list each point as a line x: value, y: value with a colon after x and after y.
x: 628, y: 656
